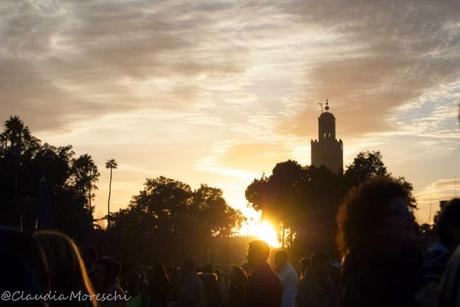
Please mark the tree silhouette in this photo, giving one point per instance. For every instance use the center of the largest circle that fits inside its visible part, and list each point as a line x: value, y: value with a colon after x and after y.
x: 17, y: 138
x: 85, y: 176
x: 305, y: 198
x: 366, y: 165
x: 110, y: 164
x: 36, y: 179
x: 169, y: 214
x: 18, y: 148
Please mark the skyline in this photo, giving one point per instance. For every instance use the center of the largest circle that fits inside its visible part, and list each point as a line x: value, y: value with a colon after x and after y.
x: 217, y: 92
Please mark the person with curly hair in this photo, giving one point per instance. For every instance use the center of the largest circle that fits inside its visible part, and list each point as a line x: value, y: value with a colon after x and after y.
x: 377, y: 241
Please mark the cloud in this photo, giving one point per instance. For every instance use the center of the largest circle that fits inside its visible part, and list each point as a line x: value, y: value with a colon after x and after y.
x: 445, y: 184
x: 88, y: 59
x: 431, y: 195
x: 27, y: 92
x: 101, y: 57
x: 254, y: 156
x: 403, y: 50
x: 219, y: 88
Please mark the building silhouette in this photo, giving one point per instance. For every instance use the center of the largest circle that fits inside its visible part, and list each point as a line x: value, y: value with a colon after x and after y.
x: 327, y: 150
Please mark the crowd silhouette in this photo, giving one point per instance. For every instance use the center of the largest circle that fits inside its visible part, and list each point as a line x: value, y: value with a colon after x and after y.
x: 381, y: 264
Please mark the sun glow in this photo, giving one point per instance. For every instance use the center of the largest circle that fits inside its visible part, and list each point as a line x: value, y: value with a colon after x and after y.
x: 262, y: 230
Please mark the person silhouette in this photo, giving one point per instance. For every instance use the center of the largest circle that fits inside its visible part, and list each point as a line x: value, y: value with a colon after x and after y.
x: 237, y: 291
x: 304, y: 265
x: 89, y: 255
x: 288, y: 277
x: 19, y: 266
x: 263, y: 286
x: 63, y: 269
x: 449, y: 225
x: 212, y: 294
x: 316, y: 288
x: 437, y: 255
x: 106, y: 277
x: 442, y: 261
x: 377, y: 242
x: 160, y: 286
x: 191, y: 292
x: 449, y: 292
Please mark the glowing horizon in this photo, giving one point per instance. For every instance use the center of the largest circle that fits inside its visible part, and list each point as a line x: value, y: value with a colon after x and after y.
x: 218, y: 92
x: 262, y: 230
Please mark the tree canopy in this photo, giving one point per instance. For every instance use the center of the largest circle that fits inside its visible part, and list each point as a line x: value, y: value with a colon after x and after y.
x: 51, y: 187
x: 43, y: 182
x: 168, y: 211
x: 305, y: 199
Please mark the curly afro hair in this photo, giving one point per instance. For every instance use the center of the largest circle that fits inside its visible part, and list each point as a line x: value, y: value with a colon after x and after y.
x: 363, y: 211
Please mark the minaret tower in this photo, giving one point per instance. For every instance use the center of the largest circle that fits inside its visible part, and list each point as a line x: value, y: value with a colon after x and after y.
x: 327, y: 150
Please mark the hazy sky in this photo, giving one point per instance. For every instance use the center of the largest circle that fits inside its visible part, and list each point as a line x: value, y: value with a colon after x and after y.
x: 217, y: 92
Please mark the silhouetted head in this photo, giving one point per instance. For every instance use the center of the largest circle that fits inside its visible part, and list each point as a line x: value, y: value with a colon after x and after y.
x: 63, y: 267
x: 89, y: 254
x: 107, y: 272
x: 258, y: 253
x: 449, y: 224
x: 238, y: 277
x: 247, y: 268
x: 219, y: 273
x: 304, y: 264
x: 130, y: 279
x: 126, y: 268
x: 376, y: 215
x: 280, y: 259
x: 18, y: 263
x: 207, y: 268
x: 159, y: 274
x: 320, y: 262
x: 188, y: 267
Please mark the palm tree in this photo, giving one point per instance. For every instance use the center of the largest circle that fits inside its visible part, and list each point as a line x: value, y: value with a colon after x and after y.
x: 85, y: 176
x: 110, y: 164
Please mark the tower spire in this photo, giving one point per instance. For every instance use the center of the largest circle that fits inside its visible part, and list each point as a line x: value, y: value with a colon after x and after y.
x: 327, y: 150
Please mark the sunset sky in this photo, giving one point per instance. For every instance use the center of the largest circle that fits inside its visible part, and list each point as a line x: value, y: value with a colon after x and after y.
x: 218, y: 92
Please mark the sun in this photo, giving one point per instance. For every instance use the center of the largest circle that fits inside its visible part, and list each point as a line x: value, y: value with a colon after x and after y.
x: 262, y: 230
x: 255, y: 226
x: 266, y: 231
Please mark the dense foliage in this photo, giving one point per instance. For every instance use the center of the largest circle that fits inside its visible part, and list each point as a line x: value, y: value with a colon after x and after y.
x: 46, y: 186
x: 305, y: 199
x: 43, y: 184
x: 168, y: 220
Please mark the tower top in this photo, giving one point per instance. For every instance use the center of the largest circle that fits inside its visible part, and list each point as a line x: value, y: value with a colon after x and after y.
x: 327, y: 150
x: 327, y: 106
x: 326, y: 115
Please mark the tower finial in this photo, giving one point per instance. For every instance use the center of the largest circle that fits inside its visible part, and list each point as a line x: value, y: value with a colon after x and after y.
x: 327, y: 105
x: 321, y: 104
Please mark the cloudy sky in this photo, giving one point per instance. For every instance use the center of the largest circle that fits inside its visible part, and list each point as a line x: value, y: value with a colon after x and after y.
x: 219, y: 91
